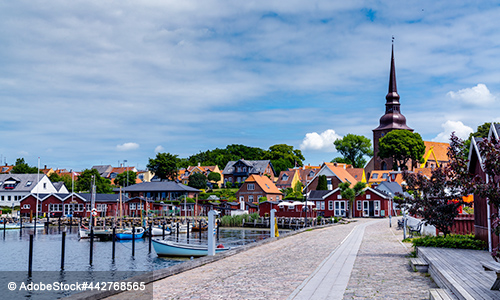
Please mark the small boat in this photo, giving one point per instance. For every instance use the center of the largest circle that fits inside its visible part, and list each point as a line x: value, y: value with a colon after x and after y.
x: 11, y: 226
x: 169, y: 248
x: 158, y: 230
x: 204, y: 227
x: 99, y: 233
x: 183, y: 228
x: 32, y: 225
x: 126, y: 234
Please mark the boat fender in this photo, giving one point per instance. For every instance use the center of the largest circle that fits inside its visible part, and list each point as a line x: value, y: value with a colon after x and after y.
x: 220, y: 246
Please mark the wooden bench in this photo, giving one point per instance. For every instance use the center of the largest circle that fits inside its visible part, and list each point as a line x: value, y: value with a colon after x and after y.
x: 493, y: 266
x: 439, y: 294
x: 419, y: 264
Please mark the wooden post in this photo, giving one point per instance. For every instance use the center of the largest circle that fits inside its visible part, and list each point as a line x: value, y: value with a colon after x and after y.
x: 150, y: 235
x: 163, y: 232
x: 63, y: 242
x: 218, y: 225
x: 114, y: 240
x: 200, y: 230
x: 133, y: 240
x: 91, y: 245
x: 187, y: 236
x: 30, y: 258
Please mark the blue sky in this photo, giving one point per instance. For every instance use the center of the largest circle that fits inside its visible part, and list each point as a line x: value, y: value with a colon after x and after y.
x: 98, y: 82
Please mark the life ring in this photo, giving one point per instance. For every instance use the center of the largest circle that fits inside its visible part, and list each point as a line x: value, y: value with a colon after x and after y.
x: 94, y: 212
x: 220, y: 246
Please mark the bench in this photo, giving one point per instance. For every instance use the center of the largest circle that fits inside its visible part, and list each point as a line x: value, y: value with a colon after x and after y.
x: 401, y: 224
x: 439, y: 294
x: 419, y: 264
x: 415, y: 229
x: 493, y: 266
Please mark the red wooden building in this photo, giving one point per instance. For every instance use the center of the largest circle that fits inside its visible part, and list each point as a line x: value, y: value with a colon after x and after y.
x: 331, y: 204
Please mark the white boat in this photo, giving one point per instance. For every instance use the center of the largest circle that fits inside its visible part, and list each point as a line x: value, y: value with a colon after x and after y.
x: 158, y: 230
x: 169, y: 248
x: 39, y: 225
x: 11, y: 226
x: 183, y: 228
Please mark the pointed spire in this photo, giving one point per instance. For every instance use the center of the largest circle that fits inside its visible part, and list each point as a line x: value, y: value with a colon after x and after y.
x: 393, y: 89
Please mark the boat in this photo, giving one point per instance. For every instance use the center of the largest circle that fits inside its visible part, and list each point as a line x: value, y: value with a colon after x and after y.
x: 102, y: 234
x: 183, y: 228
x: 169, y: 248
x: 126, y: 234
x: 11, y: 226
x: 158, y: 230
x: 32, y: 225
x: 204, y: 227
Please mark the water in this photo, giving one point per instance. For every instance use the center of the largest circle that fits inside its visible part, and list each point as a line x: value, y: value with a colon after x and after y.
x: 14, y: 247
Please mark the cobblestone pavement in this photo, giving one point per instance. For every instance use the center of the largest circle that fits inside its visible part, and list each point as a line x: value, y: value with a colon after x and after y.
x: 382, y: 270
x: 269, y: 271
x: 274, y: 270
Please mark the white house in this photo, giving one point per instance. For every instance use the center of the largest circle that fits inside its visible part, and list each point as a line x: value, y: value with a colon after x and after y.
x: 13, y: 187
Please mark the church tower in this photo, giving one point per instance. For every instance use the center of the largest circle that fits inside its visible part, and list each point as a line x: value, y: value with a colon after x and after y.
x: 392, y: 120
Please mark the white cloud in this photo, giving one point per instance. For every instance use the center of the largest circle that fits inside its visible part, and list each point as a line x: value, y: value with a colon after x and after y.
x: 159, y: 149
x: 322, y: 142
x: 478, y: 95
x: 462, y: 131
x: 127, y: 146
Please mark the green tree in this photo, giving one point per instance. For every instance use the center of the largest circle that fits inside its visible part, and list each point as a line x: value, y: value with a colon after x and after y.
x: 21, y: 167
x: 351, y: 193
x: 283, y: 157
x: 84, y: 182
x: 164, y: 166
x: 322, y: 183
x: 54, y: 177
x: 482, y: 132
x: 214, y: 177
x: 353, y: 149
x: 126, y: 178
x: 402, y: 146
x: 197, y: 181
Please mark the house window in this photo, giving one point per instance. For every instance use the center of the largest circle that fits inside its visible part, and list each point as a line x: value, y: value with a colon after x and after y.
x: 368, y: 196
x: 322, y: 205
x: 339, y: 209
x: 251, y: 186
x: 374, y: 176
x: 3, y: 198
x: 271, y: 198
x: 87, y: 206
x: 339, y: 196
x: 277, y: 198
x: 44, y: 185
x: 250, y: 198
x: 29, y: 183
x: 385, y: 175
x: 8, y: 198
x: 132, y: 206
x: 26, y: 206
x: 330, y: 205
x: 285, y: 177
x: 358, y: 205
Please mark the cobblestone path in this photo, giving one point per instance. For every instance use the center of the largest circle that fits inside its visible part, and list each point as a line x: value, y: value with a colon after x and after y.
x: 381, y: 269
x: 274, y: 270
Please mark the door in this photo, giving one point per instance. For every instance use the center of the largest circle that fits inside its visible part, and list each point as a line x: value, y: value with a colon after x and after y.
x: 376, y: 208
x: 371, y: 208
x: 366, y: 211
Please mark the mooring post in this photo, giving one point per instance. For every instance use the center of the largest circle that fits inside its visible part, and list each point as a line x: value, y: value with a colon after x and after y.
x: 200, y: 230
x: 113, y: 247
x: 177, y: 231
x: 63, y: 243
x: 58, y: 223
x: 133, y: 240
x: 150, y: 235
x: 91, y: 245
x: 211, y: 232
x: 30, y: 259
x: 273, y: 232
x: 163, y: 232
x: 187, y: 236
x: 218, y: 225
x: 4, y: 224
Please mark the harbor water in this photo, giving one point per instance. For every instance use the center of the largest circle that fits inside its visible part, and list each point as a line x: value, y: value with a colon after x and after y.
x: 47, y: 249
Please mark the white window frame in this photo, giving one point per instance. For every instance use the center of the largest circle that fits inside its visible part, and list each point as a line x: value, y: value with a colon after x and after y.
x: 368, y: 196
x: 376, y: 208
x: 251, y: 186
x: 132, y: 206
x: 358, y: 205
x: 339, y: 196
x: 366, y: 208
x: 330, y: 205
x: 340, y: 208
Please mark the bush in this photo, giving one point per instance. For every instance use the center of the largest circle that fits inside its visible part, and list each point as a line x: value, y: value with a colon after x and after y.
x: 450, y: 241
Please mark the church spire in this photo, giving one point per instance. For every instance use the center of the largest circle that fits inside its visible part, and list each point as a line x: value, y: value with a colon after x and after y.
x: 393, y: 89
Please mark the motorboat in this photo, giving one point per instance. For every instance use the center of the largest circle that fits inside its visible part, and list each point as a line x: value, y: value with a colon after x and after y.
x: 169, y: 248
x: 127, y: 234
x: 158, y: 230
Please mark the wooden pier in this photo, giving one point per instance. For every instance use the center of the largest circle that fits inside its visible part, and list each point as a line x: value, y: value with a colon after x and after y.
x: 459, y: 271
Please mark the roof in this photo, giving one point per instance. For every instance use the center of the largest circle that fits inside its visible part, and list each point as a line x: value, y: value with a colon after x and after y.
x: 318, y: 195
x: 390, y: 188
x: 342, y: 173
x: 440, y: 150
x: 264, y: 183
x: 255, y: 166
x: 24, y: 182
x: 103, y: 170
x: 288, y: 175
x: 58, y: 185
x: 160, y: 186
x: 357, y: 173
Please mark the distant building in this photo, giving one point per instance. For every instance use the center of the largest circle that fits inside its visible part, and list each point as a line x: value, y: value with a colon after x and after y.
x: 161, y: 190
x: 257, y: 186
x: 13, y: 187
x: 238, y: 171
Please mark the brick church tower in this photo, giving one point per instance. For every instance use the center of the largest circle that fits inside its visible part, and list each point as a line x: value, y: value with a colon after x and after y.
x: 392, y: 120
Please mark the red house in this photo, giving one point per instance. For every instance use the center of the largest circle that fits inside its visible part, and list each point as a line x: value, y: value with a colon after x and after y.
x: 331, y: 204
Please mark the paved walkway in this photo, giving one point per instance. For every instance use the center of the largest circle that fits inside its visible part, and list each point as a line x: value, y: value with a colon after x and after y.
x: 282, y: 269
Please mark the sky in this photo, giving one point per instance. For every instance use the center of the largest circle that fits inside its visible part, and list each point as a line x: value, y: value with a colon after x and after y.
x: 86, y: 83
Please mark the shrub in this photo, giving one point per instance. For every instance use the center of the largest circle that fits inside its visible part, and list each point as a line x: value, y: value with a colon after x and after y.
x: 450, y: 241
